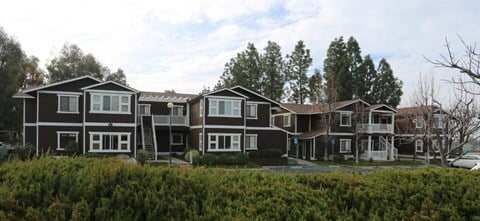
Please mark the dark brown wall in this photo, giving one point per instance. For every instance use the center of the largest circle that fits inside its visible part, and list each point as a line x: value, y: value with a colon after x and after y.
x: 73, y: 86
x: 49, y: 106
x: 30, y: 110
x: 225, y: 93
x: 319, y: 121
x: 163, y: 138
x: 263, y: 117
x: 270, y: 139
x: 195, y: 118
x: 303, y: 123
x: 30, y: 135
x: 114, y: 118
x: 47, y: 137
x: 194, y: 137
x: 279, y: 123
x: 225, y: 120
x: 161, y: 108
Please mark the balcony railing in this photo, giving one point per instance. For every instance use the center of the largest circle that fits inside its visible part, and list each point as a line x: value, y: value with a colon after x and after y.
x: 375, y: 128
x: 165, y: 120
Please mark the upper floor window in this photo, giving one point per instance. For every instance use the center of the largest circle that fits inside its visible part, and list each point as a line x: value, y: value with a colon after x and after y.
x: 144, y: 109
x: 177, y: 111
x: 227, y: 108
x: 110, y: 103
x: 418, y: 122
x: 251, y: 111
x: 438, y: 121
x: 345, y: 119
x: 67, y: 104
x: 419, y: 146
x: 286, y: 120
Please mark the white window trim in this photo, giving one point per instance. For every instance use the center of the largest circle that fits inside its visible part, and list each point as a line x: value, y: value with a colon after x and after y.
x: 145, y: 105
x: 349, y: 119
x: 119, y: 95
x: 256, y: 142
x: 67, y: 95
x: 200, y: 141
x: 101, y: 150
x: 438, y: 121
x: 231, y: 140
x: 65, y: 132
x: 217, y: 100
x: 420, y: 142
x: 180, y: 112
x: 256, y: 111
x: 349, y: 141
x: 419, y: 123
x: 181, y: 139
x: 287, y: 123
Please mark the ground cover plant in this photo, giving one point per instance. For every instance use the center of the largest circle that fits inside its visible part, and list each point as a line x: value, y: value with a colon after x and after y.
x: 79, y: 188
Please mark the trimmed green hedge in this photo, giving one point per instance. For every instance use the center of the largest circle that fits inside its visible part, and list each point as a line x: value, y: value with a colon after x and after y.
x: 108, y: 189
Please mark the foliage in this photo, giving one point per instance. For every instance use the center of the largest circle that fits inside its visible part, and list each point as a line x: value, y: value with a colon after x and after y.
x: 315, y: 86
x: 222, y: 159
x: 266, y: 153
x: 142, y: 156
x: 72, y: 148
x: 335, y: 69
x: 387, y: 89
x: 273, y: 79
x: 191, y: 152
x: 108, y: 189
x: 296, y: 70
x: 23, y: 152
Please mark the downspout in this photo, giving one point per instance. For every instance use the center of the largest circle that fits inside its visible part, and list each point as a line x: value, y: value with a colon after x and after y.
x: 204, y: 106
x: 84, y: 120
x: 36, y: 135
x: 23, y: 135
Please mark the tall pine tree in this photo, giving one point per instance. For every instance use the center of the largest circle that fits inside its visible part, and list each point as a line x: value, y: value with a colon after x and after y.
x: 387, y: 89
x: 369, y: 76
x: 335, y: 68
x: 296, y: 69
x: 356, y: 70
x: 315, y: 85
x: 273, y: 79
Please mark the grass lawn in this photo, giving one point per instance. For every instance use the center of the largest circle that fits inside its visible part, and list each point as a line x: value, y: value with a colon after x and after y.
x: 374, y: 163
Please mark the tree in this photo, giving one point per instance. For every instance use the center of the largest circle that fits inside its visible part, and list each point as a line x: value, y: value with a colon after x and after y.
x: 336, y: 71
x: 12, y: 74
x: 315, y: 85
x: 273, y: 79
x: 172, y: 91
x: 296, y: 71
x: 35, y: 76
x: 243, y: 70
x: 387, y: 89
x: 118, y: 76
x: 369, y: 77
x: 355, y: 84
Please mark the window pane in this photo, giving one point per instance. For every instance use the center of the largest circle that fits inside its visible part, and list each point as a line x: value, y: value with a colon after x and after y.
x: 124, y: 146
x: 125, y: 99
x: 221, y: 107
x: 63, y: 103
x: 96, y: 137
x: 115, y: 103
x: 96, y: 146
x: 72, y: 104
x: 124, y: 108
x: 228, y: 108
x: 106, y: 142
x: 124, y: 138
x: 114, y: 142
x: 96, y: 98
x: 67, y: 140
x: 221, y: 142
x: 106, y: 103
x: 228, y: 142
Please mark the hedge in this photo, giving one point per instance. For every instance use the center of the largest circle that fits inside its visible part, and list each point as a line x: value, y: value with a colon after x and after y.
x: 108, y: 189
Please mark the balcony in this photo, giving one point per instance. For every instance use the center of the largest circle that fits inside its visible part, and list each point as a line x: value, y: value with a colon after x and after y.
x: 375, y: 128
x: 164, y: 120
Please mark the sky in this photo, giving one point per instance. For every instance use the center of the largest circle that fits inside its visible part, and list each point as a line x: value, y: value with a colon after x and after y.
x: 184, y: 45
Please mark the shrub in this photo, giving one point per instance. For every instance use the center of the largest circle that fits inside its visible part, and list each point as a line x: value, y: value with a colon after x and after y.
x: 23, y: 152
x: 266, y: 153
x: 240, y: 159
x: 192, y: 152
x: 142, y: 156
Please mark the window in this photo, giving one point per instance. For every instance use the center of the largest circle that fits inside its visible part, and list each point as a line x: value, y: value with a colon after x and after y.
x: 224, y: 142
x: 144, y: 109
x: 435, y: 146
x: 418, y: 123
x: 345, y: 119
x: 286, y: 120
x: 251, y: 111
x: 438, y: 121
x: 177, y: 139
x: 67, y: 104
x: 345, y: 145
x: 200, y: 141
x: 228, y: 108
x: 419, y: 146
x: 251, y: 142
x: 103, y: 103
x: 177, y: 111
x: 67, y: 139
x: 109, y: 142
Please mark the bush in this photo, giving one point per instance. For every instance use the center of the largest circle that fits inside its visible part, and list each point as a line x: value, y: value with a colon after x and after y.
x: 142, y: 156
x: 23, y: 152
x: 266, y: 153
x: 222, y: 159
x: 192, y: 152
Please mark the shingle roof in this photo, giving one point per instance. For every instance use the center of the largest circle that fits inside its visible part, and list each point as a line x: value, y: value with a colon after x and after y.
x: 318, y: 108
x: 412, y: 110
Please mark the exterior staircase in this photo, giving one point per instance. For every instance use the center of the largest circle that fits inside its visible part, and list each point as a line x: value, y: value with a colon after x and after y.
x: 148, y: 136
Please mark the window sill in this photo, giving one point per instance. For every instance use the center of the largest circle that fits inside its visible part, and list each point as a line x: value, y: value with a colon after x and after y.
x: 252, y: 118
x: 226, y: 116
x: 67, y: 112
x: 104, y: 112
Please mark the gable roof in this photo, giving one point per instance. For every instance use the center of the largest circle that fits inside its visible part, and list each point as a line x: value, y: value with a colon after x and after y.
x: 378, y: 106
x: 226, y: 89
x: 110, y: 82
x: 59, y: 83
x: 165, y: 97
x: 257, y: 94
x: 22, y: 95
x: 415, y: 110
x: 320, y: 108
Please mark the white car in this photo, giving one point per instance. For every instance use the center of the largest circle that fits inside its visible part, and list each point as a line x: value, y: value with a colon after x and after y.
x: 5, y: 148
x: 467, y: 161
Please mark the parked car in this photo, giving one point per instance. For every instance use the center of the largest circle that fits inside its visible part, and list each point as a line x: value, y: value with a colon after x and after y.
x: 5, y: 148
x: 467, y: 161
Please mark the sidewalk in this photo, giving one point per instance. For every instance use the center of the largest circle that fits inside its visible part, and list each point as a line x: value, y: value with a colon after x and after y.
x: 175, y: 161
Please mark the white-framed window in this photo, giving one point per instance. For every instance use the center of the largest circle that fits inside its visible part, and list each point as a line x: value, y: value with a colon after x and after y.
x: 286, y: 120
x: 345, y: 119
x: 419, y: 123
x: 66, y: 138
x: 345, y: 145
x: 438, y: 121
x: 223, y: 142
x: 177, y: 110
x: 251, y: 141
x: 110, y: 103
x: 436, y: 147
x: 200, y: 141
x: 224, y: 108
x: 251, y: 111
x: 177, y: 139
x: 109, y: 142
x: 201, y: 108
x: 144, y: 109
x: 67, y: 104
x: 418, y: 145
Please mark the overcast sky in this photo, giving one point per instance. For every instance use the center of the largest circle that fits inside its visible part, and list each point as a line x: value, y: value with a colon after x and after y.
x: 183, y: 45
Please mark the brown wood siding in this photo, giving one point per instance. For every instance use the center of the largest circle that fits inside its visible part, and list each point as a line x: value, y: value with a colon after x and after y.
x: 30, y: 110
x: 341, y: 129
x: 48, y: 108
x: 234, y: 121
x: 318, y: 121
x: 31, y: 135
x: 279, y: 123
x: 130, y: 130
x: 73, y: 86
x: 303, y: 123
x: 161, y: 108
x: 47, y: 137
x: 194, y: 141
x: 195, y: 118
x: 110, y: 118
x: 163, y: 136
x: 263, y: 117
x: 270, y: 139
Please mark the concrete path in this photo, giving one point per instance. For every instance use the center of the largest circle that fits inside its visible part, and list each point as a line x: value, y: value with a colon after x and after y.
x: 175, y: 161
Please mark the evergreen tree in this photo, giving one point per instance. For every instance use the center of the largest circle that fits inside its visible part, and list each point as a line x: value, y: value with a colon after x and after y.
x: 369, y: 77
x: 335, y: 68
x: 387, y: 89
x: 296, y: 70
x: 355, y: 85
x: 273, y: 79
x: 315, y: 85
x: 118, y: 76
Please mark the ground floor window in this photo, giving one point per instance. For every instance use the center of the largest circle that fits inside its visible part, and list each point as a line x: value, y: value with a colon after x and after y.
x: 419, y: 146
x: 109, y: 142
x: 177, y: 139
x: 224, y: 142
x: 251, y: 141
x: 345, y: 145
x: 67, y: 139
